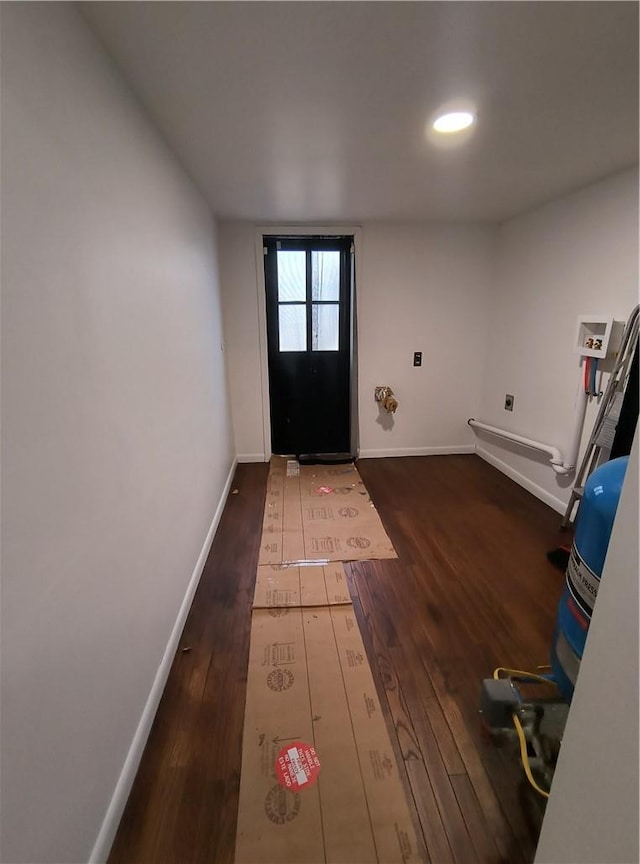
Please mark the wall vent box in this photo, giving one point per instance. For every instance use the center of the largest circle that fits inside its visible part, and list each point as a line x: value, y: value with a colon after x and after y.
x: 594, y: 332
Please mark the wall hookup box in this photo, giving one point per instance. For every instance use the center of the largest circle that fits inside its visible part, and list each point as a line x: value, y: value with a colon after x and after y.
x: 594, y: 332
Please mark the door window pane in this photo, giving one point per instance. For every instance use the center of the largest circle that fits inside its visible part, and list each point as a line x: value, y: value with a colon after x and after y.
x: 325, y: 275
x: 292, y: 276
x: 324, y: 327
x: 292, y: 328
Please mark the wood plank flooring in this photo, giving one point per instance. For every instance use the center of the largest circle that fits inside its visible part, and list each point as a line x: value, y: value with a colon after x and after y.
x: 471, y: 590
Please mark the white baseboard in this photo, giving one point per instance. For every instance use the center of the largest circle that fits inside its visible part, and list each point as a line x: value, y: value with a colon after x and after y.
x: 555, y: 503
x: 418, y: 451
x: 107, y: 833
x: 251, y: 457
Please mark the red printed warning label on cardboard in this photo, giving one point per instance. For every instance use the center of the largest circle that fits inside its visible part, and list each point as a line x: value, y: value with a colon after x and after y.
x: 323, y: 490
x: 297, y: 766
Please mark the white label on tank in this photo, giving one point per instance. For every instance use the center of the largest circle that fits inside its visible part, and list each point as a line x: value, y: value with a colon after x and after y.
x: 583, y: 582
x: 568, y: 659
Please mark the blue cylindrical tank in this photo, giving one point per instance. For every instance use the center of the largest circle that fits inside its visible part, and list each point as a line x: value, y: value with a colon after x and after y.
x: 593, y: 530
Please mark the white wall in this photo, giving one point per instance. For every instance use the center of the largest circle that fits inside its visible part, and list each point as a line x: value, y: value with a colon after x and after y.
x: 115, y: 440
x: 576, y: 255
x: 420, y: 288
x: 242, y: 335
x: 592, y: 814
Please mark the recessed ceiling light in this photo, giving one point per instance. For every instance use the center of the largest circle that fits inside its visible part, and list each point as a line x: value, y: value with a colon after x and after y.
x: 453, y: 122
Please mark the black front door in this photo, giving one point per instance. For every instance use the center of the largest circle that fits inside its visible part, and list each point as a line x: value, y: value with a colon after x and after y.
x: 308, y: 283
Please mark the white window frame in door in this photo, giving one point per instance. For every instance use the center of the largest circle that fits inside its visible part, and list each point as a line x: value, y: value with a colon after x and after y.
x: 292, y: 231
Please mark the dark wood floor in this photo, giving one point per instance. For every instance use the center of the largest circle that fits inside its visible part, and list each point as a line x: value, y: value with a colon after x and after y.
x: 470, y: 590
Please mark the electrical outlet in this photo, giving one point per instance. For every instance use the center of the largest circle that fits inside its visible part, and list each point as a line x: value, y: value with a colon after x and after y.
x: 417, y: 358
x: 508, y: 402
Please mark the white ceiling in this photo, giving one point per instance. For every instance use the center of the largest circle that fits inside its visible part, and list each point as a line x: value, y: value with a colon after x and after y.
x: 305, y: 111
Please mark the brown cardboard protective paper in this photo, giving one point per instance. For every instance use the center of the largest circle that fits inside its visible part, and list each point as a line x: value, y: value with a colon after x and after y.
x: 307, y: 585
x: 309, y: 680
x: 319, y: 513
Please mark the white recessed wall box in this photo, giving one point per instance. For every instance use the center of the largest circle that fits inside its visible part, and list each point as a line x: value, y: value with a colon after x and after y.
x: 594, y: 332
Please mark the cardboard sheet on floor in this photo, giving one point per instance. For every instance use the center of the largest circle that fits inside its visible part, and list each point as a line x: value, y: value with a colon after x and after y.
x: 279, y: 586
x: 319, y: 513
x: 311, y: 699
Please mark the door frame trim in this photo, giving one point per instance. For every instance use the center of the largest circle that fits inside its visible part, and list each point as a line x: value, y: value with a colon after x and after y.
x: 294, y: 230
